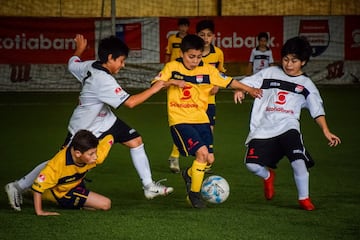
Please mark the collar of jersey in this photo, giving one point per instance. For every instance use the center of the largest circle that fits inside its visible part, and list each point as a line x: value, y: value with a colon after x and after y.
x: 98, y: 65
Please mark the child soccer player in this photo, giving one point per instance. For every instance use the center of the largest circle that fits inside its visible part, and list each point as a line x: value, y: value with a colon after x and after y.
x: 101, y: 92
x: 189, y: 82
x: 215, y: 57
x: 173, y: 46
x: 62, y: 179
x: 274, y: 124
x: 261, y: 56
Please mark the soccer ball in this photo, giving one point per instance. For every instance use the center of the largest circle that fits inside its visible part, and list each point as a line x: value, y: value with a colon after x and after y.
x: 215, y: 189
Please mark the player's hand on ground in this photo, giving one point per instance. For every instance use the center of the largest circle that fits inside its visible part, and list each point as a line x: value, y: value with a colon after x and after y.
x: 81, y: 44
x: 45, y: 213
x: 238, y: 96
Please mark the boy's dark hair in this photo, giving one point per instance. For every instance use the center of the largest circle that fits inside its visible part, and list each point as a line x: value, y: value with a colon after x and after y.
x: 114, y: 46
x: 263, y: 35
x: 205, y: 24
x: 183, y: 21
x: 84, y: 140
x: 192, y: 41
x: 298, y: 46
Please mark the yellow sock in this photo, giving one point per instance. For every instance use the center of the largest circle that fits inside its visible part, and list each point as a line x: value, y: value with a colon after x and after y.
x: 175, y: 152
x: 197, y: 172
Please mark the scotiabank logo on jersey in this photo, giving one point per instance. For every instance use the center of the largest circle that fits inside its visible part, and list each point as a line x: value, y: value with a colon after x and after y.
x: 236, y: 36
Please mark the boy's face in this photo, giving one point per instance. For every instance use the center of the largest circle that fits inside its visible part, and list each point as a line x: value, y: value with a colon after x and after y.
x: 292, y: 65
x: 263, y: 42
x: 183, y: 28
x: 114, y: 65
x: 87, y: 157
x: 207, y: 35
x: 191, y: 58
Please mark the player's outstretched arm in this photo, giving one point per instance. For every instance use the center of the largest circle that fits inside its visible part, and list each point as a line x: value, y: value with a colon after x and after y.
x: 38, y: 206
x: 81, y: 44
x: 333, y: 139
x: 139, y: 98
x: 254, y: 92
x: 238, y: 96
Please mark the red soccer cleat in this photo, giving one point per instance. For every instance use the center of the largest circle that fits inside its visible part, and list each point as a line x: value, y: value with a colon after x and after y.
x: 269, y: 190
x: 306, y: 204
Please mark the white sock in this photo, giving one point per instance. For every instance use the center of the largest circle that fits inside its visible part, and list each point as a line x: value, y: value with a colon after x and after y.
x: 26, y: 181
x: 301, y: 176
x: 258, y: 170
x: 141, y: 163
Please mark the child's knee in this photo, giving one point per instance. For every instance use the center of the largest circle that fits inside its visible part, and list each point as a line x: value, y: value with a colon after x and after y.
x: 106, y: 205
x: 253, y: 167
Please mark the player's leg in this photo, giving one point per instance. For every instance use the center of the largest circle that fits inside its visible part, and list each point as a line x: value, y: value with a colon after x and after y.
x: 261, y: 158
x: 174, y: 160
x: 130, y: 138
x: 299, y: 157
x: 15, y: 189
x: 97, y: 201
x: 211, y: 113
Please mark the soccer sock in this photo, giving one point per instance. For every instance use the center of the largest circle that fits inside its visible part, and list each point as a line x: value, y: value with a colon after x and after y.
x: 26, y: 181
x: 197, y: 175
x: 175, y: 152
x: 301, y: 176
x: 141, y: 163
x: 258, y: 170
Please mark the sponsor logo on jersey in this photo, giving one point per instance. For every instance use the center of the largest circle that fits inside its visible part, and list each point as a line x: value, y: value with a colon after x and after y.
x: 299, y: 88
x: 118, y: 91
x: 281, y: 98
x: 186, y: 92
x: 199, y: 78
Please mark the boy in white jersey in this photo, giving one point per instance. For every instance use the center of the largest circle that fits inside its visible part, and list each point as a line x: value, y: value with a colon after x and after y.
x: 274, y: 125
x: 100, y: 91
x: 261, y: 57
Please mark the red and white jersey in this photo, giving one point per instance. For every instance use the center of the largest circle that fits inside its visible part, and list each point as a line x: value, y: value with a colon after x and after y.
x: 283, y: 98
x: 260, y: 59
x: 100, y: 91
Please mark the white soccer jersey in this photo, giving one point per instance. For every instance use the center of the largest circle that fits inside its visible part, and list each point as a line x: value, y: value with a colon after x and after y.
x: 283, y: 98
x: 260, y: 59
x: 100, y: 91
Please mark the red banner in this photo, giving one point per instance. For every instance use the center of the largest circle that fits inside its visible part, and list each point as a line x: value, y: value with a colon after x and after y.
x: 352, y: 37
x: 236, y: 36
x: 43, y: 40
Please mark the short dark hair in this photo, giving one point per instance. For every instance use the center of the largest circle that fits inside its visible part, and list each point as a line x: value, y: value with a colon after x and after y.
x: 263, y: 35
x: 183, y: 21
x: 84, y: 140
x: 192, y: 41
x: 205, y: 24
x: 298, y: 46
x: 114, y: 46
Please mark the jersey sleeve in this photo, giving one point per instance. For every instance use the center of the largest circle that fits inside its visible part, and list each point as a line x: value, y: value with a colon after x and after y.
x: 218, y: 78
x: 110, y: 92
x: 103, y: 148
x: 221, y: 67
x: 78, y: 68
x: 164, y: 74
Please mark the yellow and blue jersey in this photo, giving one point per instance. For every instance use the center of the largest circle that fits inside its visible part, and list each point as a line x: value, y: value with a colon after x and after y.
x: 189, y: 104
x: 61, y: 174
x: 173, y: 47
x: 215, y: 58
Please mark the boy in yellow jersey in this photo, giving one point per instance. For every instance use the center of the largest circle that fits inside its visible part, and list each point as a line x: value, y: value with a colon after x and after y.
x: 62, y: 179
x: 189, y: 81
x: 174, y: 41
x: 215, y: 57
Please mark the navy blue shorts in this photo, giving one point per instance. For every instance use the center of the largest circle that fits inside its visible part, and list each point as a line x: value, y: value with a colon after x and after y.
x: 75, y: 198
x: 190, y: 137
x: 268, y: 152
x: 211, y: 112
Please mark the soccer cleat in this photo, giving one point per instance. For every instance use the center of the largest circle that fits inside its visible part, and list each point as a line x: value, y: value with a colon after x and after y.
x: 306, y: 204
x: 187, y: 179
x: 174, y: 164
x: 269, y: 190
x: 14, y: 196
x: 155, y: 189
x: 195, y: 200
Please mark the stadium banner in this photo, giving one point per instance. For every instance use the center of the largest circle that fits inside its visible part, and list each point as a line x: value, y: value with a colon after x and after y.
x: 352, y: 37
x: 329, y: 42
x: 236, y: 36
x: 42, y: 40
